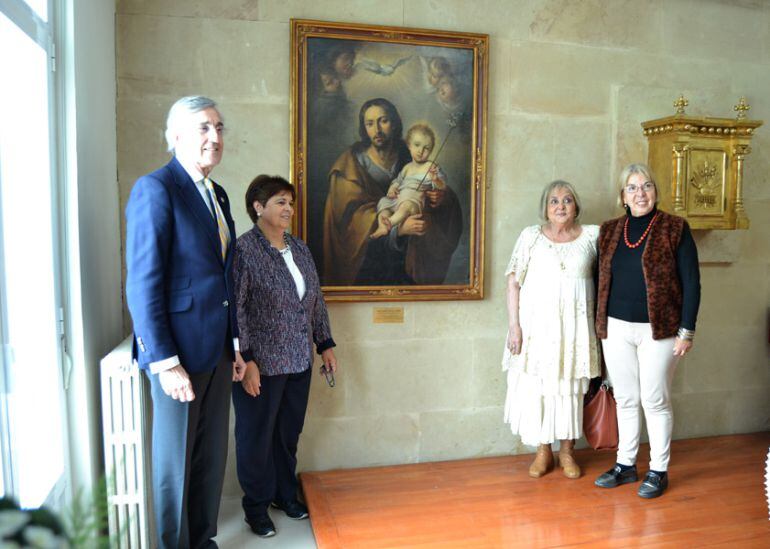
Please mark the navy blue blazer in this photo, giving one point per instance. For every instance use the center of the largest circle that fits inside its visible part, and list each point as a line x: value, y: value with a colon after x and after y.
x: 178, y: 288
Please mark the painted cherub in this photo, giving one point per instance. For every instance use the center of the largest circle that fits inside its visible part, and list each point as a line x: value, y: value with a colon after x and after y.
x: 434, y: 69
x: 406, y: 195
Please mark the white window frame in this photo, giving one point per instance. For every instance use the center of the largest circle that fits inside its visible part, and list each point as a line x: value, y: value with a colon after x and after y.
x: 44, y: 33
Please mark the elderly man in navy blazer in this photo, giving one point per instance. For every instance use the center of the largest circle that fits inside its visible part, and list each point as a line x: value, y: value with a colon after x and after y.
x: 179, y: 288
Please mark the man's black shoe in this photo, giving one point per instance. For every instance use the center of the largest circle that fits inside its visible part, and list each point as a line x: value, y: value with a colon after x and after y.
x: 261, y: 525
x: 616, y: 476
x: 293, y: 509
x: 653, y: 486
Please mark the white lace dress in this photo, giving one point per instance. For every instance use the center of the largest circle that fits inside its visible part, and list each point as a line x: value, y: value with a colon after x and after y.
x: 559, y: 354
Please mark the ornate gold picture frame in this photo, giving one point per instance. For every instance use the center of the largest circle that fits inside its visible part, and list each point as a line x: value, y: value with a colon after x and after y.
x: 388, y: 131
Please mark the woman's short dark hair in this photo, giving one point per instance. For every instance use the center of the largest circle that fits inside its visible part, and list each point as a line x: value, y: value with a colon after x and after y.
x: 264, y: 187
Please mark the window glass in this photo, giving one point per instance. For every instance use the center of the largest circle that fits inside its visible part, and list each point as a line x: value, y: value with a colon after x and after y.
x: 33, y: 399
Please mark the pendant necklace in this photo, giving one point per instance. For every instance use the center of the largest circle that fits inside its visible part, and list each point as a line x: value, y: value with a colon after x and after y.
x: 287, y: 248
x: 561, y: 251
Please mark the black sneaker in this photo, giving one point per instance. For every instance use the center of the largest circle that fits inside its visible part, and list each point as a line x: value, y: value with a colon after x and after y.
x: 653, y: 486
x: 616, y: 476
x: 293, y: 509
x: 261, y: 525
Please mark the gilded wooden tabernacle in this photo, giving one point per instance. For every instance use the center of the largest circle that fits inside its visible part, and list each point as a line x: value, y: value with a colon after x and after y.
x: 699, y: 165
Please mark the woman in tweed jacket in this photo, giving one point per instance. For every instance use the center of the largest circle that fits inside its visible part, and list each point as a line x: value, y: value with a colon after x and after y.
x: 281, y: 314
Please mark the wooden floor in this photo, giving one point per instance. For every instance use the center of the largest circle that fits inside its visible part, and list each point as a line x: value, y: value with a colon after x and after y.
x: 715, y: 498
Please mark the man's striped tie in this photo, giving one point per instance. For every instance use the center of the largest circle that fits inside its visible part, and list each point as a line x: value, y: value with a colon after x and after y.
x: 224, y: 232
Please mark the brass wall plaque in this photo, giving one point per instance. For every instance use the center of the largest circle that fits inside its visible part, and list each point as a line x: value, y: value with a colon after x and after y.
x: 706, y: 182
x: 388, y: 315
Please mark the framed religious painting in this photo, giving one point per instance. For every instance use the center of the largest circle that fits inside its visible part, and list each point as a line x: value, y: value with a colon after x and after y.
x: 388, y: 131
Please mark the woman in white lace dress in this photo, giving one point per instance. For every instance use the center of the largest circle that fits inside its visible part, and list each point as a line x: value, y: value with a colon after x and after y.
x: 551, y: 352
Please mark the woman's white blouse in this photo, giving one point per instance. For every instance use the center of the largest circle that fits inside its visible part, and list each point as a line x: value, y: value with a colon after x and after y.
x: 299, y: 281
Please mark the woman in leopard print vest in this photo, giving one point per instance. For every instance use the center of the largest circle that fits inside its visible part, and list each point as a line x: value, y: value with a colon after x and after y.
x: 647, y: 305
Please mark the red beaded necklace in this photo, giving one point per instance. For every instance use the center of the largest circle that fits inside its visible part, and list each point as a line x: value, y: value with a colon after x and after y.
x: 644, y: 235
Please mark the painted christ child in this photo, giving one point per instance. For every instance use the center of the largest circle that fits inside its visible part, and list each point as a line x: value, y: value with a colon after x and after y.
x: 406, y: 195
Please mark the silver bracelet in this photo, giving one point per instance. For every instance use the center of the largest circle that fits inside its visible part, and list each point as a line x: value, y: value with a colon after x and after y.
x: 685, y: 334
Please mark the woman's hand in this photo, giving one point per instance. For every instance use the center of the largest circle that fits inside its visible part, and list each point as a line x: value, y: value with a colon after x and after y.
x: 251, y: 382
x: 329, y: 360
x: 414, y: 225
x: 682, y: 346
x: 514, y: 339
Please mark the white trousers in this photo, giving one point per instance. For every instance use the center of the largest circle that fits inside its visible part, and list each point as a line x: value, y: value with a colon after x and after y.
x: 641, y: 370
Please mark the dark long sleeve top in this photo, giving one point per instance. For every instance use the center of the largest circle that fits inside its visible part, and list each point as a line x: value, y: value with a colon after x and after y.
x: 628, y: 292
x: 277, y: 329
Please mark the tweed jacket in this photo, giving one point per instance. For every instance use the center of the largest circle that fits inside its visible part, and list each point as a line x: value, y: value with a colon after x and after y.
x: 277, y: 329
x: 664, y: 293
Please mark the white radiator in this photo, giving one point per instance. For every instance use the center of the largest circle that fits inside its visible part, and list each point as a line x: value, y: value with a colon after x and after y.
x: 126, y: 449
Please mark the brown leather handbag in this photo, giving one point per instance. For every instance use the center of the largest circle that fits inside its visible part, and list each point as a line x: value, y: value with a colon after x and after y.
x: 600, y: 418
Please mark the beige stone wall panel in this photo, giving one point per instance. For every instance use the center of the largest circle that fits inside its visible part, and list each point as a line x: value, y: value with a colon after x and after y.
x: 203, y: 9
x: 748, y: 410
x: 501, y: 19
x: 462, y: 434
x: 488, y: 381
x: 521, y: 164
x: 712, y: 31
x: 756, y: 247
x: 455, y: 321
x: 581, y: 156
x: 719, y: 246
x: 605, y: 23
x: 701, y: 414
x: 182, y: 55
x: 733, y: 295
x: 384, y: 439
x: 500, y: 72
x: 373, y: 12
x: 563, y: 80
x: 407, y: 376
x: 713, y: 362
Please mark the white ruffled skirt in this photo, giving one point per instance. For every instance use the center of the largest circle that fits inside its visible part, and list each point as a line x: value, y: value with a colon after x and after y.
x: 542, y: 411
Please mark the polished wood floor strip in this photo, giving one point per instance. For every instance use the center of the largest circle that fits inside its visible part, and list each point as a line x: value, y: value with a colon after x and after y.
x: 715, y: 499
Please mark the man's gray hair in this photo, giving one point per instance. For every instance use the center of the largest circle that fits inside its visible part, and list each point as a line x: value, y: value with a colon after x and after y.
x: 182, y: 108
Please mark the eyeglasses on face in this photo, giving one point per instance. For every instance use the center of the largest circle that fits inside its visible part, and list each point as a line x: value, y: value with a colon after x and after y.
x: 646, y: 187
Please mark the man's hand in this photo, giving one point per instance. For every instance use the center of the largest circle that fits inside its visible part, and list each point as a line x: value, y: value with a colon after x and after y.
x: 251, y: 382
x: 414, y: 225
x: 239, y: 367
x: 176, y: 384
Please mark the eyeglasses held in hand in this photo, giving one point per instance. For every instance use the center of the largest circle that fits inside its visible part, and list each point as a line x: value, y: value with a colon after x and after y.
x: 328, y: 374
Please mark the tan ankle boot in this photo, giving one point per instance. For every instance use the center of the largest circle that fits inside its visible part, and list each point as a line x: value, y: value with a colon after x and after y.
x: 567, y: 461
x: 543, y: 461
